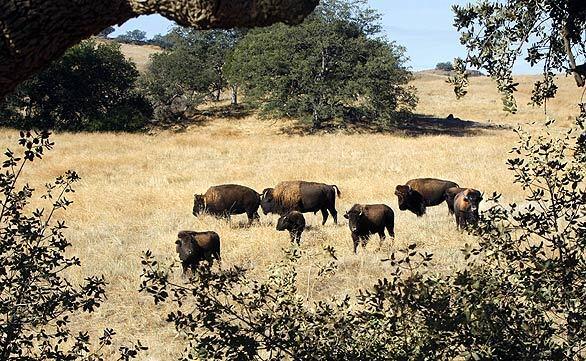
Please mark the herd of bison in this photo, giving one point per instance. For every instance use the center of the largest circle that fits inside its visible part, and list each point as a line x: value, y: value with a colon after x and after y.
x: 291, y: 199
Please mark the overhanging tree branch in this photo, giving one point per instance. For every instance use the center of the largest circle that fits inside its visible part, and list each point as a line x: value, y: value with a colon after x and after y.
x: 35, y: 32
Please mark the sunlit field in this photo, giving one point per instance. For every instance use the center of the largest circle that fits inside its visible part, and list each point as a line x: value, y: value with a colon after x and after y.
x: 137, y: 190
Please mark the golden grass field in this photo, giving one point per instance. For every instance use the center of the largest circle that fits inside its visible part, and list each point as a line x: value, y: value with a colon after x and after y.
x: 137, y: 191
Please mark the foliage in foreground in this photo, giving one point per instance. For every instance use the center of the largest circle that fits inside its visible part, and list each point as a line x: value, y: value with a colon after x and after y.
x: 37, y: 302
x: 333, y: 66
x: 521, y: 296
x: 92, y: 87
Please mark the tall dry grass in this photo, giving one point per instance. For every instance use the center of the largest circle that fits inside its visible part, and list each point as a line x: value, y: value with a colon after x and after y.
x: 137, y: 192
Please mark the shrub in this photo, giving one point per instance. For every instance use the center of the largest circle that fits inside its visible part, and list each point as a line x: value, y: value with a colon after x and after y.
x: 37, y: 302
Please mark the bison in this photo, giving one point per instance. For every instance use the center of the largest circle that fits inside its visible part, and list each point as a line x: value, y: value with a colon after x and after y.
x: 294, y: 222
x: 368, y: 219
x: 228, y: 199
x: 418, y: 194
x: 194, y: 247
x: 450, y: 194
x: 466, y: 207
x: 303, y: 197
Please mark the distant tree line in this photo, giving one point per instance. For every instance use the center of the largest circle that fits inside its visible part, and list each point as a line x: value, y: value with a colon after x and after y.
x: 334, y: 68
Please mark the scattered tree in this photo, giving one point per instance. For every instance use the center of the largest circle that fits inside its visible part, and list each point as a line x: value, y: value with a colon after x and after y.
x: 37, y: 301
x: 92, y: 87
x: 189, y: 72
x: 333, y: 65
x: 446, y: 66
x: 133, y: 37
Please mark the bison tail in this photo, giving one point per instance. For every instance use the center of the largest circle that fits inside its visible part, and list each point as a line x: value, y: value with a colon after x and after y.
x: 337, y: 191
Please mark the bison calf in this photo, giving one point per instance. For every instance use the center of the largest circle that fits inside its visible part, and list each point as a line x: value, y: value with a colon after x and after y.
x: 194, y: 247
x: 294, y: 222
x: 466, y: 207
x: 368, y: 219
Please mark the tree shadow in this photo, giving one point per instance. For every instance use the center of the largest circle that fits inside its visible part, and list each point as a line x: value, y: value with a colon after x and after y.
x: 414, y: 125
x: 180, y: 121
x: 421, y: 125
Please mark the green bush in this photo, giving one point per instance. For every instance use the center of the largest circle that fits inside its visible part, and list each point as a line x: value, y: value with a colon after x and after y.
x: 92, y: 87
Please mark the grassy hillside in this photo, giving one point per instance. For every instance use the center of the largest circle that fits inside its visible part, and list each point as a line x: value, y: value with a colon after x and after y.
x: 137, y: 193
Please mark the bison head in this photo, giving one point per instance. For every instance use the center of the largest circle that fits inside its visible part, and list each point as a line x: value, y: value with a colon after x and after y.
x: 199, y: 204
x: 472, y: 198
x: 410, y: 199
x: 353, y: 216
x: 267, y: 202
x: 284, y: 223
x: 185, y: 245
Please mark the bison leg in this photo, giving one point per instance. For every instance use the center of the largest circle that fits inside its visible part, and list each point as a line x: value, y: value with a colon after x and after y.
x: 382, y: 237
x: 364, y: 242
x: 297, y: 236
x: 324, y: 214
x: 355, y: 240
x: 252, y: 216
x: 391, y: 229
x: 450, y: 207
x: 334, y: 214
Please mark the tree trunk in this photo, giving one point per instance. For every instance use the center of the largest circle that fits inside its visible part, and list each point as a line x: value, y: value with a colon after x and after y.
x: 35, y: 32
x: 218, y: 93
x: 568, y: 48
x: 234, y: 97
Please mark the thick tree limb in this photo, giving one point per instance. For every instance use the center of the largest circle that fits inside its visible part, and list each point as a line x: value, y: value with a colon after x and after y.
x: 35, y: 32
x: 568, y: 48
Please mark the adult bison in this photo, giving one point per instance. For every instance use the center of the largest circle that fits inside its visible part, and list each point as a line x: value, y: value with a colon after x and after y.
x: 418, y: 194
x: 368, y: 219
x: 294, y: 222
x: 466, y: 205
x: 228, y: 199
x: 301, y: 196
x: 194, y: 247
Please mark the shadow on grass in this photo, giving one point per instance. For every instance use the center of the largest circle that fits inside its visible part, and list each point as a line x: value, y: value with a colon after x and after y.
x: 414, y: 125
x: 420, y: 125
x: 180, y: 121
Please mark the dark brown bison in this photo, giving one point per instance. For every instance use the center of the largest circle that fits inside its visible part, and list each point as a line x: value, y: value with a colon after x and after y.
x: 450, y: 195
x: 368, y: 219
x: 294, y: 222
x: 302, y: 197
x: 228, y: 199
x: 466, y: 207
x: 418, y: 194
x: 193, y: 247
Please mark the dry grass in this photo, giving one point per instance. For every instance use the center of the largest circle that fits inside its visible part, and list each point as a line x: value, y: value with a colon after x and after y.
x: 137, y: 192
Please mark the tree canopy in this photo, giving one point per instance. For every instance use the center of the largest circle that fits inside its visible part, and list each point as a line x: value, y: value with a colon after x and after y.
x: 189, y: 71
x: 334, y: 65
x: 90, y: 88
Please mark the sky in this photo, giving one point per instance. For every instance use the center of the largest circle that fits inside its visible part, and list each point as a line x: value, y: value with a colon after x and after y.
x: 423, y: 27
